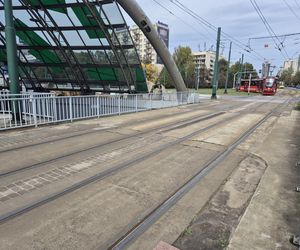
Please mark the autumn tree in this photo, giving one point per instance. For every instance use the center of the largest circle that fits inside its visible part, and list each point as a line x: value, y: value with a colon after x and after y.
x: 184, y: 60
x: 151, y: 72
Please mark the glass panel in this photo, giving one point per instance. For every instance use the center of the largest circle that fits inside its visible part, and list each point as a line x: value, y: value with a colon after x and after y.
x: 48, y: 2
x: 45, y: 53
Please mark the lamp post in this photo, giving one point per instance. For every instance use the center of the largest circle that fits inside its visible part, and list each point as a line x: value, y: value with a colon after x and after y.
x: 216, y: 67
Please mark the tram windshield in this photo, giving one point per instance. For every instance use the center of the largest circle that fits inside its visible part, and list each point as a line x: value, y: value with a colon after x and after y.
x: 269, y: 82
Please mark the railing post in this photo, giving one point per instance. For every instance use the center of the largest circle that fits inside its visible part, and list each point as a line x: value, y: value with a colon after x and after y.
x: 54, y: 108
x: 180, y: 102
x: 119, y: 104
x: 70, y: 108
x: 98, y: 106
x: 34, y: 111
x: 136, y: 103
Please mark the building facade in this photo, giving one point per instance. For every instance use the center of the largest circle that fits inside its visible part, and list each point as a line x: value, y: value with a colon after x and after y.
x: 145, y: 50
x: 294, y: 64
x: 204, y: 66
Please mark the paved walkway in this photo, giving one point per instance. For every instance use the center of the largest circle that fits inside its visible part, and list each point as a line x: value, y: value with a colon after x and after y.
x: 273, y: 215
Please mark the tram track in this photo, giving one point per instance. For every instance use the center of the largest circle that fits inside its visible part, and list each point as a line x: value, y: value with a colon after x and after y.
x: 108, y: 172
x: 161, y: 129
x: 138, y: 229
x: 78, y: 133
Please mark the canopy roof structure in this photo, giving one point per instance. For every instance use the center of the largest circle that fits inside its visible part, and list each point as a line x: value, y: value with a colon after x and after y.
x: 73, y: 45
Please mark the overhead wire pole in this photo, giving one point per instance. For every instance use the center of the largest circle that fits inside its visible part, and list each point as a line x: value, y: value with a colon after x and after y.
x: 228, y: 68
x: 216, y: 67
x: 240, y: 70
x: 11, y: 48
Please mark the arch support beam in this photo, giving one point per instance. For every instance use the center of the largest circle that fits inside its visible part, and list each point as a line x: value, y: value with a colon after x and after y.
x: 144, y: 23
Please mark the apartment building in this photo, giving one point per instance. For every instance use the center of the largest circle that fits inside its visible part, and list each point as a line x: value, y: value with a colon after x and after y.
x: 294, y: 64
x: 204, y: 64
x: 144, y: 48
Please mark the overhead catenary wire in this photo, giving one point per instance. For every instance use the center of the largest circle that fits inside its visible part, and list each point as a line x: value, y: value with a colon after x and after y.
x: 291, y: 9
x: 214, y: 28
x: 297, y: 4
x: 283, y: 35
x: 276, y: 40
x: 182, y: 20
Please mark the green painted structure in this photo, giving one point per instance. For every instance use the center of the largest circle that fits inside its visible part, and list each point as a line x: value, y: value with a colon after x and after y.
x: 72, y: 45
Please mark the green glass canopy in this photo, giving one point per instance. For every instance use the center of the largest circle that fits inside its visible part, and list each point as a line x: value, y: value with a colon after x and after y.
x: 73, y: 45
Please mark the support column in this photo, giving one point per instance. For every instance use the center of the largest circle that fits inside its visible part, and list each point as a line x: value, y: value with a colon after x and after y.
x: 11, y: 48
x: 12, y: 62
x: 228, y: 68
x: 144, y: 23
x: 240, y: 71
x: 216, y: 67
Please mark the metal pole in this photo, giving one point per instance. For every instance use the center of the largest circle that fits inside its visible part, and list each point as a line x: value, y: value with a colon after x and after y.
x: 234, y: 76
x: 216, y: 67
x: 241, y: 70
x: 249, y: 85
x: 11, y: 49
x: 198, y: 77
x: 228, y: 68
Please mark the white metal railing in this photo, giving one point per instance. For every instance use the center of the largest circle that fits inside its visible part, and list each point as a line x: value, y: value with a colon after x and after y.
x: 33, y: 109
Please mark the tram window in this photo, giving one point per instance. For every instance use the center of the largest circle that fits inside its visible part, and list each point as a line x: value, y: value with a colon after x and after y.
x: 269, y: 82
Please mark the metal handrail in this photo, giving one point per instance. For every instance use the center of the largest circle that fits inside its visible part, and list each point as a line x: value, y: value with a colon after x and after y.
x: 34, y: 109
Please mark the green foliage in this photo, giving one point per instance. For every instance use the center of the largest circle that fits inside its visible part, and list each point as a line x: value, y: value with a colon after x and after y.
x: 188, y: 232
x: 222, y: 72
x: 286, y: 76
x: 165, y: 79
x: 204, y: 77
x: 239, y: 67
x: 296, y: 78
x: 184, y: 60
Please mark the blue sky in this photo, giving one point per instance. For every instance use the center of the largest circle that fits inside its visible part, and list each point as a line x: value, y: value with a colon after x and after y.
x: 238, y: 19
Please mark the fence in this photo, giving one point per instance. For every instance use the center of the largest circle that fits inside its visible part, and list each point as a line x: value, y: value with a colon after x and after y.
x: 33, y: 109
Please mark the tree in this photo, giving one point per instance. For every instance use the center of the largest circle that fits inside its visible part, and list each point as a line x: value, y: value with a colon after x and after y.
x: 286, y: 76
x: 222, y: 72
x: 296, y: 78
x: 249, y: 69
x: 184, y: 60
x: 246, y: 67
x: 151, y: 72
x: 165, y: 79
x: 204, y: 77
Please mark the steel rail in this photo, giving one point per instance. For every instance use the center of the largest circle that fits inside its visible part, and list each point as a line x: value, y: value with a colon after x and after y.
x: 92, y: 130
x: 82, y: 132
x: 52, y: 160
x: 106, y: 173
x: 161, y: 209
